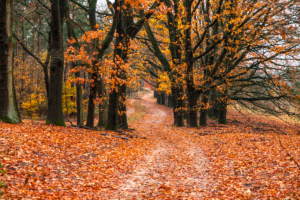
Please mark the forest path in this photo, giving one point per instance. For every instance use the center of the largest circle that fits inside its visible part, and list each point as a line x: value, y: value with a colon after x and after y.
x: 174, y: 166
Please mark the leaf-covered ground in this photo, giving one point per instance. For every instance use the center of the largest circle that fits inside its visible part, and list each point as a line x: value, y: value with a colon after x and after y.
x: 243, y: 159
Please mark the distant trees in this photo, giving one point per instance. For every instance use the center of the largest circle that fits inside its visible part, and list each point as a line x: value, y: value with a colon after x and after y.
x: 224, y: 45
x: 200, y: 56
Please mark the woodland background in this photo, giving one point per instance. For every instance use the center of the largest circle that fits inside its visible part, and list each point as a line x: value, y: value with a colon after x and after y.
x: 80, y: 61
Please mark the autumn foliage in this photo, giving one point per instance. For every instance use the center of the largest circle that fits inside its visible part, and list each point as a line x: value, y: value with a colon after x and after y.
x: 149, y: 99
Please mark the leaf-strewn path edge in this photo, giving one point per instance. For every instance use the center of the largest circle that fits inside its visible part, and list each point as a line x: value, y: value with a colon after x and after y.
x: 240, y: 160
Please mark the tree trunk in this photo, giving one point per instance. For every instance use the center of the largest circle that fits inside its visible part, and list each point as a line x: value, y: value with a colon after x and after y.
x: 178, y: 106
x: 71, y: 34
x: 103, y: 106
x: 158, y: 96
x: 155, y: 94
x: 213, y: 111
x: 203, y: 109
x: 192, y: 106
x: 192, y: 94
x: 122, y: 109
x: 162, y: 98
x: 113, y: 110
x: 170, y: 101
x: 8, y: 103
x: 39, y: 37
x: 223, y: 112
x: 91, y: 105
x: 94, y: 75
x: 55, y: 111
x: 113, y: 106
x: 23, y: 40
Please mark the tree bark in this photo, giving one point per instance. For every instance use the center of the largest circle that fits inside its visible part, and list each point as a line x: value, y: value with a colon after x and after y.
x: 155, y: 94
x: 113, y: 123
x: 192, y: 94
x: 203, y: 109
x: 223, y: 112
x: 170, y: 101
x: 55, y: 111
x: 94, y: 75
x: 103, y: 106
x: 158, y: 97
x: 162, y: 98
x: 178, y: 106
x: 8, y: 104
x: 122, y: 109
x: 79, y: 106
x: 213, y: 111
x: 113, y: 110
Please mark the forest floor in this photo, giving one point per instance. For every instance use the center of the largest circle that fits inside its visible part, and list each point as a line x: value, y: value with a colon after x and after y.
x: 251, y: 157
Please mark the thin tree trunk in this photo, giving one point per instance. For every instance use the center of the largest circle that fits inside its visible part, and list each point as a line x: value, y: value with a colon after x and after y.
x: 79, y: 106
x: 155, y: 94
x: 39, y: 37
x: 203, y: 109
x: 8, y: 103
x: 103, y: 106
x: 55, y: 111
x: 79, y: 101
x: 223, y: 112
x: 213, y: 111
x: 23, y: 40
x: 170, y: 101
x: 158, y: 96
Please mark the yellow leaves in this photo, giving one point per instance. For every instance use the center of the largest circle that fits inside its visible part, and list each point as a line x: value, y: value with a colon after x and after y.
x: 68, y: 100
x: 33, y: 104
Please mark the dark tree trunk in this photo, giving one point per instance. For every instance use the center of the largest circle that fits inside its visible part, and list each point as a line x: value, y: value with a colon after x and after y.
x: 114, y: 94
x: 8, y: 102
x: 223, y: 112
x: 94, y: 76
x: 178, y: 106
x: 158, y: 97
x: 91, y: 105
x: 103, y: 106
x: 192, y: 94
x: 213, y: 111
x: 113, y: 110
x: 71, y: 34
x: 55, y: 111
x: 66, y: 72
x: 155, y: 94
x: 122, y: 92
x: 162, y: 98
x: 203, y: 109
x: 45, y: 67
x: 192, y: 105
x: 170, y: 101
x: 122, y: 109
x: 79, y: 105
x: 126, y: 30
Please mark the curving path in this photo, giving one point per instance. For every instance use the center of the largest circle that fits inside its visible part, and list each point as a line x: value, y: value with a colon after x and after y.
x: 174, y: 168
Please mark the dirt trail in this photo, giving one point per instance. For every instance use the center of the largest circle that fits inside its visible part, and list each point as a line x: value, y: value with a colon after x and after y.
x: 175, y: 167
